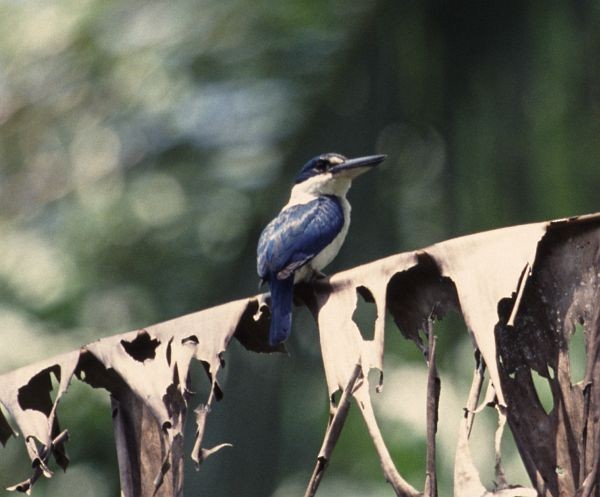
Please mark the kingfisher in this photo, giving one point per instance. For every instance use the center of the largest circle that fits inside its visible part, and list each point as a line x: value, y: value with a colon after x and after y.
x: 308, y: 232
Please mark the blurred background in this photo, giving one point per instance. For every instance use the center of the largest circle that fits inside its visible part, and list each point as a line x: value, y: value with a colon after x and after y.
x: 144, y: 145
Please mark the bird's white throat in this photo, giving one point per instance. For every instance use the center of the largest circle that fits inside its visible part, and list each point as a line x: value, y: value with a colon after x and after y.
x: 323, y: 184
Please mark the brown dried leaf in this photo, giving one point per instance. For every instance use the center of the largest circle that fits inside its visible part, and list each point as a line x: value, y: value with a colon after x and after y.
x: 518, y: 289
x: 342, y: 345
x: 153, y: 366
x: 25, y: 394
x: 560, y: 448
x: 206, y: 453
x: 486, y: 268
x: 466, y: 477
x: 146, y: 372
x: 484, y: 275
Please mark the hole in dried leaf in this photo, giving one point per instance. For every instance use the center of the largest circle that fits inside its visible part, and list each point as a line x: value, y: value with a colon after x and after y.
x: 95, y: 374
x: 190, y: 339
x: 365, y: 313
x: 176, y: 375
x: 543, y: 390
x: 36, y: 394
x: 6, y: 430
x: 142, y: 348
x: 168, y: 353
x: 418, y: 294
x: 252, y: 330
x: 577, y: 355
x: 217, y: 388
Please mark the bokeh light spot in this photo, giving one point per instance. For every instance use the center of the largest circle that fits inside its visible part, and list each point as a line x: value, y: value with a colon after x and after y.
x: 157, y: 199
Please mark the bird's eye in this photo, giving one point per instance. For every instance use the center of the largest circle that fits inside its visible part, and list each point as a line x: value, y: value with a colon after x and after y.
x: 321, y: 165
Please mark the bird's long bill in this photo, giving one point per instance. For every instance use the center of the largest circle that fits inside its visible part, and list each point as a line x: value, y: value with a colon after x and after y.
x: 355, y: 167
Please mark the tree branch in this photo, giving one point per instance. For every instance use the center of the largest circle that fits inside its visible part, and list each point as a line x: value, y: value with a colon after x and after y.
x: 433, y: 398
x: 332, y: 434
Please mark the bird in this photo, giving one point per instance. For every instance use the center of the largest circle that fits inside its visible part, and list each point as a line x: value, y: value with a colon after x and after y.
x: 308, y: 232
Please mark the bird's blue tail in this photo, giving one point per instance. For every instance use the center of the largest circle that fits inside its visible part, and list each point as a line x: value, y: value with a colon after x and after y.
x: 282, y: 293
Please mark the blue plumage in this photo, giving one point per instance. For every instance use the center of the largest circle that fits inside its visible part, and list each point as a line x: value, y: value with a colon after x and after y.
x: 297, y: 235
x: 282, y: 299
x: 289, y: 242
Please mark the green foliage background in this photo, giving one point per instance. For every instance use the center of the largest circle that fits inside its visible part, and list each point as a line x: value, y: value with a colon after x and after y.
x: 143, y: 145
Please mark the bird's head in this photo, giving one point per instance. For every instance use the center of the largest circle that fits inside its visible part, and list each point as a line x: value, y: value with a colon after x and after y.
x: 329, y: 172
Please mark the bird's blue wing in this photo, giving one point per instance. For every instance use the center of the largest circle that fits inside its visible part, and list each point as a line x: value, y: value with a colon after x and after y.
x: 297, y: 235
